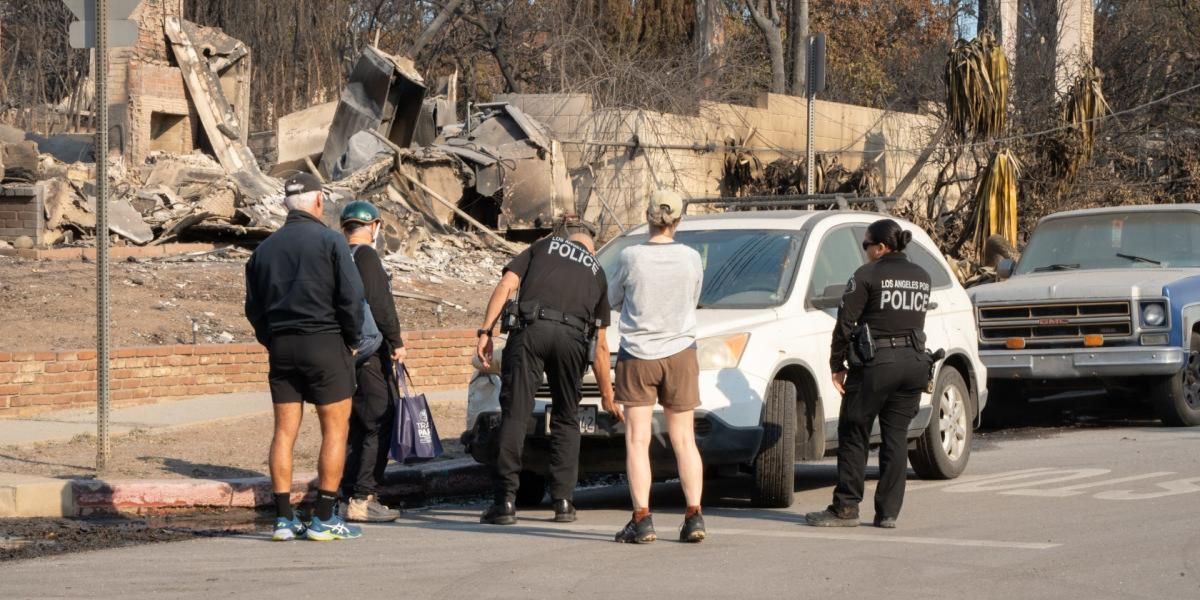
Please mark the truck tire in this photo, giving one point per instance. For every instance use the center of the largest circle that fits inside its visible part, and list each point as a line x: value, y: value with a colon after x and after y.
x: 1008, y: 405
x: 1177, y: 398
x: 775, y: 465
x: 944, y: 447
x: 532, y: 490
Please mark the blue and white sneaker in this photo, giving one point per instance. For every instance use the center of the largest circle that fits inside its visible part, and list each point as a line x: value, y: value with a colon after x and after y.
x: 287, y: 529
x: 333, y: 529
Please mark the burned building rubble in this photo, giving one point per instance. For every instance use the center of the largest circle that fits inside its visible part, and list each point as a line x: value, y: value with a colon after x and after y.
x: 181, y: 166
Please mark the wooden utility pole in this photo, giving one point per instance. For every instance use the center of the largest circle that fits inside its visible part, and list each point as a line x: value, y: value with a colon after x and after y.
x: 798, y: 30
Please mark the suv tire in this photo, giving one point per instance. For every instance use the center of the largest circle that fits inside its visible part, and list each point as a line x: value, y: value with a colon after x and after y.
x: 944, y: 447
x: 775, y: 465
x: 532, y: 490
x: 1177, y: 397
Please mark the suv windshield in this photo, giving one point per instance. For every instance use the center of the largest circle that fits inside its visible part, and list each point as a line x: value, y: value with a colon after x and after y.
x: 1133, y: 240
x: 743, y: 268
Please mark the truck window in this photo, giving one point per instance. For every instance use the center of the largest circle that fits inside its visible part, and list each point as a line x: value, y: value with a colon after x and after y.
x: 1126, y: 240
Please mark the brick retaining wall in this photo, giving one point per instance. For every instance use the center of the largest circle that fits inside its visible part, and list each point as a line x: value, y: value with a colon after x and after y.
x: 32, y: 382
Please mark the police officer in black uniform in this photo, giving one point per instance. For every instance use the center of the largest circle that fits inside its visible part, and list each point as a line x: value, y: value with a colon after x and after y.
x: 562, y: 302
x: 882, y: 314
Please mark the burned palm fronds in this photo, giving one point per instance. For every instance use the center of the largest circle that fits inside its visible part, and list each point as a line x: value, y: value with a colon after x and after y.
x: 1067, y: 150
x: 977, y: 86
x: 996, y: 200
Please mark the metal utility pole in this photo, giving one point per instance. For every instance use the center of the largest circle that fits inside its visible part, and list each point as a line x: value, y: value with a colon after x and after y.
x: 103, y: 444
x: 92, y: 30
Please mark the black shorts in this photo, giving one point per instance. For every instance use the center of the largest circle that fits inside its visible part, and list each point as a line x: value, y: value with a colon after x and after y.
x: 316, y: 368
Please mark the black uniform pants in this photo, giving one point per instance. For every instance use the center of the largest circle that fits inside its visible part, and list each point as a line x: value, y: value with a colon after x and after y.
x: 889, y: 388
x: 559, y: 351
x: 372, y: 421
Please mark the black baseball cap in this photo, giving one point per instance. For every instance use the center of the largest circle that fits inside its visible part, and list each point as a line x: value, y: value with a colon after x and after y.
x: 573, y: 224
x: 301, y: 183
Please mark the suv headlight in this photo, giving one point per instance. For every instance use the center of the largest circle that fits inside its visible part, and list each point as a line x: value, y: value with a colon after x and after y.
x: 1154, y: 314
x: 721, y: 352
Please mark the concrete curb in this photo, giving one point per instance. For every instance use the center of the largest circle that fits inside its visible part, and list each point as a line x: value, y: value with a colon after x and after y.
x: 82, y: 497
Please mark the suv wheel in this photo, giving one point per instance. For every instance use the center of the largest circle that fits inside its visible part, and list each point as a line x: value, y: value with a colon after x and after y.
x: 775, y: 466
x: 532, y: 490
x: 944, y: 447
x: 1177, y: 398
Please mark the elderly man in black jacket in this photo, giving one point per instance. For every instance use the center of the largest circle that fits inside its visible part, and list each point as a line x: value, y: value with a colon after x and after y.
x: 304, y: 298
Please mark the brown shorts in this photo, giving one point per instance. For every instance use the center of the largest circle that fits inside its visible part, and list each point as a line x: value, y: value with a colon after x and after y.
x: 673, y: 381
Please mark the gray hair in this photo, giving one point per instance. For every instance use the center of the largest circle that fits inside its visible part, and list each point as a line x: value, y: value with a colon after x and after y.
x: 306, y: 201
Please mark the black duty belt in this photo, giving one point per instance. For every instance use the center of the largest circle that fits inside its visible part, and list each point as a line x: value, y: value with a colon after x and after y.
x: 549, y: 314
x: 901, y: 341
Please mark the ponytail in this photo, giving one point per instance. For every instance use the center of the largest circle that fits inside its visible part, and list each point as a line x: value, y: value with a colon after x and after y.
x: 890, y: 234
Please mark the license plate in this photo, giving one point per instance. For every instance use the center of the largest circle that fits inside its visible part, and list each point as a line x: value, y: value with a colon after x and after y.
x: 586, y: 417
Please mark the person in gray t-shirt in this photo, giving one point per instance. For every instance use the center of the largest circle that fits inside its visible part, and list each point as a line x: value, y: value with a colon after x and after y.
x: 656, y: 287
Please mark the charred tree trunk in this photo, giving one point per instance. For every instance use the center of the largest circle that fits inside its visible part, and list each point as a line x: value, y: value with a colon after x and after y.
x: 798, y: 45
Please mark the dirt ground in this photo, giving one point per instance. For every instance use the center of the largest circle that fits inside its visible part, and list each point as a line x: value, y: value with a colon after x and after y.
x: 226, y: 449
x: 51, y: 305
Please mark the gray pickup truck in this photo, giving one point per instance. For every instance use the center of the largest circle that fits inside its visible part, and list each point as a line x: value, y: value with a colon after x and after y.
x: 1100, y: 298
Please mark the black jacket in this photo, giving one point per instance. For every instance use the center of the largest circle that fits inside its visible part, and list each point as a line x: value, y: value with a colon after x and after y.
x: 301, y: 280
x: 379, y: 294
x: 891, y: 295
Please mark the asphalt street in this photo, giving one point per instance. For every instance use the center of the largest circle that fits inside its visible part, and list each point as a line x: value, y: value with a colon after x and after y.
x: 1101, y: 512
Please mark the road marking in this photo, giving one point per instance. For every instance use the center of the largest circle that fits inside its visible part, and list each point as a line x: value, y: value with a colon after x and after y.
x: 1073, y: 490
x: 917, y: 486
x: 1024, y: 482
x: 1173, y: 488
x: 813, y: 533
x: 998, y: 484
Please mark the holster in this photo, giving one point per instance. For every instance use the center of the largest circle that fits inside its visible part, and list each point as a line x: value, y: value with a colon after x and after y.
x: 510, y: 317
x: 934, y: 357
x: 862, y: 346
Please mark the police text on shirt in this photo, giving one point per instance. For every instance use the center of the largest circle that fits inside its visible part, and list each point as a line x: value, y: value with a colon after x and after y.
x: 571, y: 251
x: 903, y: 294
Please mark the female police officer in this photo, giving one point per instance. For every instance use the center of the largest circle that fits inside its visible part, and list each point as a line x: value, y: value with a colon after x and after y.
x: 882, y: 313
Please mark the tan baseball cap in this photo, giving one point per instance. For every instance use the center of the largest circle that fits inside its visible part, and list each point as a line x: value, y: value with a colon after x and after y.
x: 670, y: 199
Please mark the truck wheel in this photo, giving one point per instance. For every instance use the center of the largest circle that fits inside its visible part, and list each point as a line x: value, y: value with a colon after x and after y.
x: 944, y: 447
x: 1177, y: 398
x: 1007, y: 406
x: 775, y: 465
x: 532, y: 490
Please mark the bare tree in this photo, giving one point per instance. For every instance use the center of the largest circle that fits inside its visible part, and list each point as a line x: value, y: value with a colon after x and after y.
x: 765, y: 14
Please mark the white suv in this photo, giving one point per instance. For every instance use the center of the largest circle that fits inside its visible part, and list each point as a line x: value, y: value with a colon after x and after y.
x: 772, y: 284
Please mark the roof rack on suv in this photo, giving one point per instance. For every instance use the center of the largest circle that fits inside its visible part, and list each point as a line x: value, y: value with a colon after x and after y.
x: 810, y: 201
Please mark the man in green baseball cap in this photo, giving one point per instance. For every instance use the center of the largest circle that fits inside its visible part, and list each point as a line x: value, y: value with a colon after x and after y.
x: 372, y: 418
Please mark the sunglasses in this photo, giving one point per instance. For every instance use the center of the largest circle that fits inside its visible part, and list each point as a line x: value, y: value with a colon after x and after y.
x: 867, y: 244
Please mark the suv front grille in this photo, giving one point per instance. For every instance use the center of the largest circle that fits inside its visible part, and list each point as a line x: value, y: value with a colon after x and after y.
x: 590, y: 390
x: 1063, y: 322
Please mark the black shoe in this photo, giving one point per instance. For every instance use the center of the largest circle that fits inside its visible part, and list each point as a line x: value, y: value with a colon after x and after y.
x: 885, y: 522
x: 693, y: 529
x: 564, y: 511
x: 637, y: 532
x: 499, y: 514
x: 831, y: 518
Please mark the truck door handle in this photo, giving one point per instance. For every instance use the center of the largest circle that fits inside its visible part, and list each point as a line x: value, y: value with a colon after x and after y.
x: 931, y: 306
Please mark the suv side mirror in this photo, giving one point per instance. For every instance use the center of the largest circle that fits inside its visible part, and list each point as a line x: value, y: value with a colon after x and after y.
x: 830, y: 297
x: 1005, y: 268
